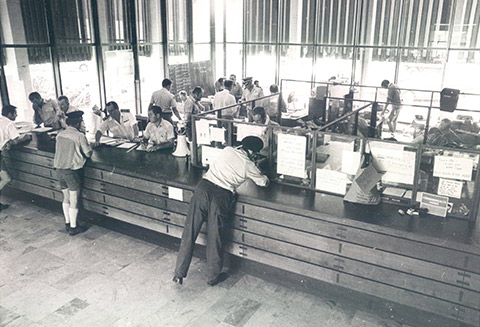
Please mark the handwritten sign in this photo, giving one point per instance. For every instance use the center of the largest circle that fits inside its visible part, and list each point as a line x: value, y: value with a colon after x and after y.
x: 244, y: 130
x: 435, y: 204
x: 217, y: 134
x: 209, y: 155
x: 350, y: 162
x: 203, y: 132
x: 453, y: 168
x: 291, y: 155
x: 398, y: 164
x: 450, y: 188
x: 331, y: 181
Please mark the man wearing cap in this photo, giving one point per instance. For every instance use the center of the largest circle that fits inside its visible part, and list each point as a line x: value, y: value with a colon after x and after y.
x: 250, y: 92
x: 212, y: 202
x: 8, y: 137
x: 71, y: 151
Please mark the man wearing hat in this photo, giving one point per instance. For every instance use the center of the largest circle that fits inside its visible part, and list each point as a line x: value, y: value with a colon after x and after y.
x: 212, y: 202
x: 71, y: 151
x: 251, y: 92
x: 8, y: 136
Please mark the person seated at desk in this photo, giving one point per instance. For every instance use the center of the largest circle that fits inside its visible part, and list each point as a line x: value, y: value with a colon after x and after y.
x: 271, y: 104
x: 192, y: 107
x: 441, y: 136
x: 223, y: 99
x: 159, y: 132
x: 8, y: 136
x: 261, y: 118
x: 121, y: 124
x: 45, y: 111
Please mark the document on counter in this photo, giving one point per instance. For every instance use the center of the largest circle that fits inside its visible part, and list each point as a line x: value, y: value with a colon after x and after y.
x: 126, y: 145
x: 41, y: 129
x: 331, y: 181
x: 111, y: 141
x: 394, y: 191
x: 453, y: 167
x: 449, y: 187
x: 291, y: 155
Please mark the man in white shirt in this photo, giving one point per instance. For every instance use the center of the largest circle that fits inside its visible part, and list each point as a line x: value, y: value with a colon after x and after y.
x: 192, y: 107
x: 213, y: 201
x: 8, y: 136
x: 65, y: 108
x: 120, y: 124
x: 223, y: 99
x: 159, y: 132
x: 165, y: 100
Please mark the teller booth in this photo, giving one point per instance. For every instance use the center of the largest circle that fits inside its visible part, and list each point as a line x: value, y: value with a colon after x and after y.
x: 437, y: 181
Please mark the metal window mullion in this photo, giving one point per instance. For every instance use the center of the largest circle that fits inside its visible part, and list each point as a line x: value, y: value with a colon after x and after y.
x: 244, y: 43
x: 398, y: 48
x: 164, y: 25
x: 471, y: 23
x: 427, y: 25
x: 189, y: 12
x: 418, y: 27
x: 213, y: 54
x: 98, y: 54
x: 136, y: 65
x: 449, y: 40
x: 409, y: 24
x: 224, y: 38
x: 277, y: 41
x: 53, y: 49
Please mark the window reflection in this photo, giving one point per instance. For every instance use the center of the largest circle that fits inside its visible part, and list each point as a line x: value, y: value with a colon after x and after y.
x: 119, y: 85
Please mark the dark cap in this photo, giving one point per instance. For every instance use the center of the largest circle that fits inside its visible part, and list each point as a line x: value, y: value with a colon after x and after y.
x: 253, y: 143
x: 74, y: 117
x: 246, y: 79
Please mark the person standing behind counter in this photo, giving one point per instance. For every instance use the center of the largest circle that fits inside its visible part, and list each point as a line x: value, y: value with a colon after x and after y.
x: 236, y: 90
x: 45, y: 111
x: 159, y: 132
x: 192, y: 107
x: 71, y: 151
x: 224, y: 99
x: 393, y: 99
x: 165, y: 100
x: 213, y: 201
x: 8, y: 136
x: 120, y: 124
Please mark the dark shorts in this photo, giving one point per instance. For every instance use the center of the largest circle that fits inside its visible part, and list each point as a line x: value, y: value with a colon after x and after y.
x: 70, y: 179
x: 3, y: 162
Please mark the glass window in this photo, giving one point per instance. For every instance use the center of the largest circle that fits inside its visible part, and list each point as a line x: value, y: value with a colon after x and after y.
x: 23, y: 22
x: 219, y: 20
x: 379, y: 22
x: 234, y: 20
x: 118, y: 67
x: 177, y: 20
x: 262, y: 26
x: 234, y: 59
x: 462, y: 71
x: 80, y: 78
x: 296, y: 62
x: 334, y: 61
x: 373, y: 65
x: 24, y: 75
x: 72, y: 21
x: 296, y: 28
x: 202, y: 52
x: 201, y: 21
x: 202, y: 69
x: 421, y: 69
x: 149, y: 22
x: 220, y: 59
x: 466, y: 24
x: 114, y: 21
x: 151, y: 74
x: 261, y: 63
x: 335, y: 24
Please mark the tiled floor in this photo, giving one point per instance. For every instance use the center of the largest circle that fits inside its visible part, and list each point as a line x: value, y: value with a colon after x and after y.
x: 104, y: 278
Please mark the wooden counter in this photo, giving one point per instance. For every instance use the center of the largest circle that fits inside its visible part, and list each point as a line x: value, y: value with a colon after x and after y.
x: 415, y: 261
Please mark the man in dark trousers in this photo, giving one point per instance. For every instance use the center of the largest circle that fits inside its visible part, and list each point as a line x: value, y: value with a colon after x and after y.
x: 212, y: 202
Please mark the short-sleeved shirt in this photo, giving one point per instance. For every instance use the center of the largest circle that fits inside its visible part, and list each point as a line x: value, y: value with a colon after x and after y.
x: 192, y: 107
x: 8, y: 131
x: 232, y: 168
x: 123, y: 130
x: 164, y: 99
x: 224, y: 99
x: 71, y: 149
x: 236, y: 91
x: 47, y: 114
x: 161, y: 133
x: 393, y: 96
x: 254, y: 93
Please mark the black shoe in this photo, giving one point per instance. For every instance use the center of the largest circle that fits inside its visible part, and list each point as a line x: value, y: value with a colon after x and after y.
x: 67, y: 227
x: 178, y: 280
x: 77, y: 230
x: 220, y: 278
x: 3, y: 206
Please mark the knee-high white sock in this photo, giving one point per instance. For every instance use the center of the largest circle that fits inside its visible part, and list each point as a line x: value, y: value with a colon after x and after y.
x: 66, y: 213
x: 73, y: 212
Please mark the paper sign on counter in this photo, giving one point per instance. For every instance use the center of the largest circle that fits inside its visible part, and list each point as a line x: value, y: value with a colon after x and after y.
x: 452, y: 167
x: 217, y: 134
x: 331, y: 181
x: 291, y: 155
x: 450, y: 188
x: 175, y: 193
x: 202, y: 128
x: 350, y: 162
x: 437, y: 205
